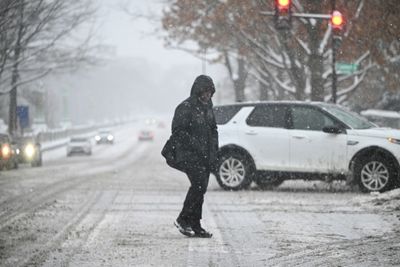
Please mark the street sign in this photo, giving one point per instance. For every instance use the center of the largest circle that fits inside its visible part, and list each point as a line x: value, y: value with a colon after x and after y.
x: 23, y: 116
x: 346, y: 68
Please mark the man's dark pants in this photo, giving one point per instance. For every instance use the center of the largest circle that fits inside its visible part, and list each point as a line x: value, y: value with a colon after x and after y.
x: 192, y: 207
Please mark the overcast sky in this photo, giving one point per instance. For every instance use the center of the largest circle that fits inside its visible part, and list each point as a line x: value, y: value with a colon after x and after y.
x: 136, y: 37
x: 143, y: 76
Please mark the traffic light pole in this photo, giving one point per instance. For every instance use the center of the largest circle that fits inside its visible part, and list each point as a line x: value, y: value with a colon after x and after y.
x: 334, y: 76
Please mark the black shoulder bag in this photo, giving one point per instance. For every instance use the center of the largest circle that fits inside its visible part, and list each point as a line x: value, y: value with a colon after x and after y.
x: 169, y: 153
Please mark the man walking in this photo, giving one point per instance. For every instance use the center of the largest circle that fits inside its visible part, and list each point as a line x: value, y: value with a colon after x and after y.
x: 196, y: 133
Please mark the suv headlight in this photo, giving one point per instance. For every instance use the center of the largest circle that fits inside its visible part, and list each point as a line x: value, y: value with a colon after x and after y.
x: 394, y: 141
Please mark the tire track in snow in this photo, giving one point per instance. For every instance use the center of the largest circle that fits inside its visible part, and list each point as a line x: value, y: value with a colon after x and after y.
x: 205, y: 251
x: 40, y: 255
x: 62, y: 252
x: 20, y: 206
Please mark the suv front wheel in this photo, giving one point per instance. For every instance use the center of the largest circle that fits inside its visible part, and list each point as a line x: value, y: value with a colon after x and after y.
x: 375, y: 174
x: 235, y: 171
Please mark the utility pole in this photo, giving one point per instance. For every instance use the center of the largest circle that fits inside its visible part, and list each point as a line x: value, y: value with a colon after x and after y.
x: 337, y: 28
x: 334, y: 76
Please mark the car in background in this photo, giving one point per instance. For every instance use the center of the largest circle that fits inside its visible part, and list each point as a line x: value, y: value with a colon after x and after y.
x: 150, y: 121
x: 269, y: 142
x: 146, y: 135
x: 29, y: 151
x: 104, y: 137
x: 79, y: 145
x: 8, y: 153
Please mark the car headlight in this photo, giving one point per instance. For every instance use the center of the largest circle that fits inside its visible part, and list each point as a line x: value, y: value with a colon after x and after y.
x: 6, y: 151
x: 29, y: 150
x: 110, y: 137
x: 97, y: 138
x: 394, y: 141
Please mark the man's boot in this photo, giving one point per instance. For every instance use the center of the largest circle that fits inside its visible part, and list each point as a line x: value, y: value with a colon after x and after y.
x: 200, y: 231
x: 184, y: 227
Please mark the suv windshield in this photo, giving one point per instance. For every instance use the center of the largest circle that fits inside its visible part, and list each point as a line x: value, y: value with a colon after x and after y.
x: 351, y: 119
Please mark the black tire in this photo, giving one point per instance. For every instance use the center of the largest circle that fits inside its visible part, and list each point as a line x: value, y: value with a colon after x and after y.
x: 268, y: 181
x: 375, y: 173
x: 38, y: 161
x: 240, y: 165
x: 11, y: 165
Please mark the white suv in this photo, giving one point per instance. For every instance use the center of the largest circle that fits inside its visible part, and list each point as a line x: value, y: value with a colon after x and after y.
x: 268, y: 142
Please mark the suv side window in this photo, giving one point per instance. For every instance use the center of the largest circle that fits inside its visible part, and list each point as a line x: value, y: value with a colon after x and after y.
x: 223, y: 114
x: 268, y: 116
x: 306, y: 118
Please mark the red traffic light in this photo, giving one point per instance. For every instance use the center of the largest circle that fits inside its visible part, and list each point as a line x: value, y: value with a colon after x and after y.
x: 337, y: 20
x: 283, y: 4
x: 283, y: 14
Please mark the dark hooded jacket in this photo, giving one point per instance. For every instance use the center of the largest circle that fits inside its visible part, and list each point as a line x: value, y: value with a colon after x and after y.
x: 195, y: 129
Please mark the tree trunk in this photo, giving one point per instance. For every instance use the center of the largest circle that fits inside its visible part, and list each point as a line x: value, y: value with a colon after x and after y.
x: 315, y: 62
x: 317, y: 83
x: 263, y: 91
x: 12, y: 115
x: 295, y: 73
x: 266, y: 88
x: 239, y: 83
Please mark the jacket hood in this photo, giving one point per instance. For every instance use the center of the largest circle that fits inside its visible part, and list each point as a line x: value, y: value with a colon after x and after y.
x: 202, y: 83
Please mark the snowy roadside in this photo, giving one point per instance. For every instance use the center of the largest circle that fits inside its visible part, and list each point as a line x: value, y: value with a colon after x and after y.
x: 386, y: 202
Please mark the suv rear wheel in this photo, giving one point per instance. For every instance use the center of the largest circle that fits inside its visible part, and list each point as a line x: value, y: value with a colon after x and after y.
x: 235, y: 171
x: 375, y: 174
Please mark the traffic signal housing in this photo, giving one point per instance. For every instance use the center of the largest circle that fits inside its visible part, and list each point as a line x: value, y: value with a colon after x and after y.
x: 337, y: 24
x: 337, y: 20
x: 283, y: 14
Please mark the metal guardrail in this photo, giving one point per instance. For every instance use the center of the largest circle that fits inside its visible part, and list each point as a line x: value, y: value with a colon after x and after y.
x: 57, y: 134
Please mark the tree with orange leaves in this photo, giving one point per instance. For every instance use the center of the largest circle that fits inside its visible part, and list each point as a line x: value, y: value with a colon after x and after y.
x: 295, y: 64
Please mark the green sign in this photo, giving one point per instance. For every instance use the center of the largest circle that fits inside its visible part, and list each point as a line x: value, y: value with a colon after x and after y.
x: 346, y: 68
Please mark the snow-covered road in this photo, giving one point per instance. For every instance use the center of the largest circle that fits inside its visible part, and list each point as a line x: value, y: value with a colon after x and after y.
x: 117, y: 207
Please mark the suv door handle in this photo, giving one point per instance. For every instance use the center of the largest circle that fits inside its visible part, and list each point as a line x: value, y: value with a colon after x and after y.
x: 251, y: 133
